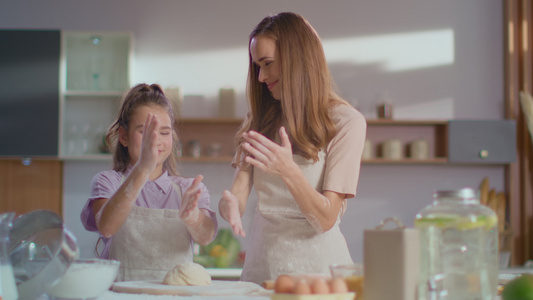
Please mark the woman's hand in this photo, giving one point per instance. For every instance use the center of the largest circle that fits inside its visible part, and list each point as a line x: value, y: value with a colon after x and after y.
x: 149, y: 152
x: 267, y: 155
x: 229, y: 210
x: 189, y: 211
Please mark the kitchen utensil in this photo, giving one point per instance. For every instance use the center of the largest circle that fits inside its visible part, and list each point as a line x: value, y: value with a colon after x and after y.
x: 385, y: 110
x: 8, y: 289
x: 392, y: 149
x: 41, y: 249
x: 194, y: 149
x: 492, y: 201
x: 85, y: 279
x: 176, y: 98
x: 216, y: 288
x: 527, y: 107
x: 501, y: 210
x: 419, y: 149
x: 226, y: 102
x: 353, y: 275
x: 484, y: 191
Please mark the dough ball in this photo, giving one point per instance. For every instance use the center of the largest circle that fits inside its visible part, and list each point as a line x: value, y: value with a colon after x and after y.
x: 187, y: 274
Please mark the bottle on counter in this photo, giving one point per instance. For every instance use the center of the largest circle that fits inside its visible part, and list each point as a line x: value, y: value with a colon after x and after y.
x: 458, y: 248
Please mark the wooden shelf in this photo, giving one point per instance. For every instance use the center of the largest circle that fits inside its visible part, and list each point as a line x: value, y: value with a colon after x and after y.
x: 406, y: 161
x: 376, y: 161
x: 207, y: 131
x: 392, y: 122
x: 207, y: 159
x: 209, y: 121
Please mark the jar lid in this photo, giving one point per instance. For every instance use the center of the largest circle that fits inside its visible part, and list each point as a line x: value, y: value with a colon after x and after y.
x: 40, y: 249
x: 465, y: 193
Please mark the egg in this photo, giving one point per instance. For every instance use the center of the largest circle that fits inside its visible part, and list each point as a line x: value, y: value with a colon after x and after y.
x: 301, y: 288
x: 338, y: 285
x: 319, y: 286
x: 284, y: 284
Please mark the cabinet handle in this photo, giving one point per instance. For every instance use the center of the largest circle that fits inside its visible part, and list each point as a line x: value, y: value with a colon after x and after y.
x: 26, y: 161
x: 484, y: 153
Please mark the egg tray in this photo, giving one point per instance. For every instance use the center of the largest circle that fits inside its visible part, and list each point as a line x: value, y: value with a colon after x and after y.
x: 337, y: 296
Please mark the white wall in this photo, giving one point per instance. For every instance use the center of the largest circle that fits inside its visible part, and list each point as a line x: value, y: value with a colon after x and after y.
x: 435, y: 59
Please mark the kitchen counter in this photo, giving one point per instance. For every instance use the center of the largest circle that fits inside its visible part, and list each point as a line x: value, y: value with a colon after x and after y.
x: 229, y: 274
x: 118, y: 296
x: 121, y: 296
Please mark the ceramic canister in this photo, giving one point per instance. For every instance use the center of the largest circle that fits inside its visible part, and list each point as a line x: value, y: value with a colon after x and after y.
x: 419, y: 149
x: 392, y: 149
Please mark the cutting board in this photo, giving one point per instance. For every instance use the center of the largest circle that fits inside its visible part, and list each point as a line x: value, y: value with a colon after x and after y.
x: 216, y: 288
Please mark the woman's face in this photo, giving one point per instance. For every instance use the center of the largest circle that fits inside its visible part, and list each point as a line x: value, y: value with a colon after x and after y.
x: 265, y: 56
x: 133, y: 138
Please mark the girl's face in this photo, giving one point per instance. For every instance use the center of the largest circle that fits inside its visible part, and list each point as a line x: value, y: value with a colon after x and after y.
x: 265, y: 56
x: 133, y: 138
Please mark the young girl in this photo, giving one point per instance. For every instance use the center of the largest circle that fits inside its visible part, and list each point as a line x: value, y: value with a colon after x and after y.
x: 148, y: 217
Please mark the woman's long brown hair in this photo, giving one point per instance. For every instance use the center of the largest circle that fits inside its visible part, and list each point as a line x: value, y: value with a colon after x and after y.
x: 306, y: 88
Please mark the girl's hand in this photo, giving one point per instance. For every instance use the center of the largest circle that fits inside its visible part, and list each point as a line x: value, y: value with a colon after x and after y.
x: 267, y: 155
x: 189, y: 211
x: 149, y: 152
x: 229, y: 210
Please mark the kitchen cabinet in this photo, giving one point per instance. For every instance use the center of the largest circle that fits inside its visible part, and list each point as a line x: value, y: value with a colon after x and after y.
x: 29, y: 185
x: 29, y: 80
x: 482, y: 141
x: 95, y: 73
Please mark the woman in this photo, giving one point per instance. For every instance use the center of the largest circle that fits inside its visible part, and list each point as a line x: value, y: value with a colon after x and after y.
x: 300, y: 146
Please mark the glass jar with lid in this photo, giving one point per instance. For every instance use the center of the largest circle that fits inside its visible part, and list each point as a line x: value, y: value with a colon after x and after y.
x: 458, y: 247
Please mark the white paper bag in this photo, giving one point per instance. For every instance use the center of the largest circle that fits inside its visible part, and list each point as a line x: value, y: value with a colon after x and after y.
x: 391, y: 262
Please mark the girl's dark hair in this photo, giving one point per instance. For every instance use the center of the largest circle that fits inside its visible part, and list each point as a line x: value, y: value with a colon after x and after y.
x: 140, y: 95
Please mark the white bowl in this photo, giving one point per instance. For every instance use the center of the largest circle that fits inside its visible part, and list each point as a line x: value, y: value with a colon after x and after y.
x: 85, y: 279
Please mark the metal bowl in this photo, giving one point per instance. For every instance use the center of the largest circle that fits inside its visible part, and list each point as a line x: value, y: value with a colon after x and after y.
x: 41, y: 249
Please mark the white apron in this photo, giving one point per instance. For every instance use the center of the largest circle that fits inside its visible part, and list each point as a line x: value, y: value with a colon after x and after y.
x: 282, y: 240
x: 150, y: 243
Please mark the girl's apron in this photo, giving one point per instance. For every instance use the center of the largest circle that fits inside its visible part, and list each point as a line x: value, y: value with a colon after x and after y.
x: 282, y: 240
x: 150, y: 243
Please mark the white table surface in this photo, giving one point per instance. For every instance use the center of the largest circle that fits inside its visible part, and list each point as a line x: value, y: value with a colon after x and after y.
x: 230, y: 273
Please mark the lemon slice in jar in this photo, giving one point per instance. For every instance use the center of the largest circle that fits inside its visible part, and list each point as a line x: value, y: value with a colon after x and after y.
x: 460, y: 223
x: 475, y: 222
x: 441, y: 221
